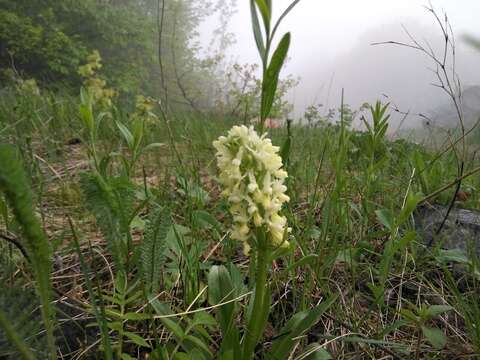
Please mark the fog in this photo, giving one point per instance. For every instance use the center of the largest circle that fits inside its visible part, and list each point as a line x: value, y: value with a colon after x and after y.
x: 331, y: 49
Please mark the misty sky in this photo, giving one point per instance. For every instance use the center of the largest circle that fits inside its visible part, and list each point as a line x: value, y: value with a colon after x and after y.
x: 326, y: 28
x: 331, y: 49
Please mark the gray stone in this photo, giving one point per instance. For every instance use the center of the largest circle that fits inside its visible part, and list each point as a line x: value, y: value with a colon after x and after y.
x: 461, y: 230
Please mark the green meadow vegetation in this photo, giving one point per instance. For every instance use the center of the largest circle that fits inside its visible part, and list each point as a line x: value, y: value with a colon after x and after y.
x: 141, y: 219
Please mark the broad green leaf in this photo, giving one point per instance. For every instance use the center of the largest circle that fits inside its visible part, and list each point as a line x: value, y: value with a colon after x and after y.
x: 435, y: 336
x: 220, y: 289
x: 177, y: 231
x: 386, y: 218
x: 270, y: 80
x: 436, y: 310
x: 138, y: 223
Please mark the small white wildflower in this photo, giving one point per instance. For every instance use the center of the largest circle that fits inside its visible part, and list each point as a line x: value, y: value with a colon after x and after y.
x: 251, y: 172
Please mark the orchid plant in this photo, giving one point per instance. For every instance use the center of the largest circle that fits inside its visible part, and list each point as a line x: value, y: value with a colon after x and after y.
x: 252, y: 174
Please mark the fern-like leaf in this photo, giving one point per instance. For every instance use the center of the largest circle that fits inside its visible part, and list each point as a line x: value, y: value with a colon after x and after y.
x: 14, y: 184
x: 20, y: 322
x: 110, y: 201
x: 153, y: 247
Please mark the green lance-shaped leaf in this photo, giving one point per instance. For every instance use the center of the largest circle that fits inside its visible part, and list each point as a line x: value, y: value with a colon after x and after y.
x: 295, y: 327
x: 127, y: 135
x: 86, y: 111
x: 257, y: 32
x: 138, y: 129
x: 265, y: 9
x: 270, y: 81
x: 14, y: 184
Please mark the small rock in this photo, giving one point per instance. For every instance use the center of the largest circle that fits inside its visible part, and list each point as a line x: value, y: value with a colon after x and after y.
x: 461, y: 229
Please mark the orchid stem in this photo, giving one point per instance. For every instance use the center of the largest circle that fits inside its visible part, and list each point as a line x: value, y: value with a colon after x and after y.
x: 255, y: 325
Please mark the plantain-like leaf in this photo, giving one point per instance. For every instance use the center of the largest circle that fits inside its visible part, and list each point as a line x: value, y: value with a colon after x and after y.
x: 221, y: 290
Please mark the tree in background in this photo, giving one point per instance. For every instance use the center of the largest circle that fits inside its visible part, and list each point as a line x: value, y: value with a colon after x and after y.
x: 147, y: 46
x: 49, y: 39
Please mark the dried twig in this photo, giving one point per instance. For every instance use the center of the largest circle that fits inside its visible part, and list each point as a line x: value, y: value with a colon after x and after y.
x: 449, y: 82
